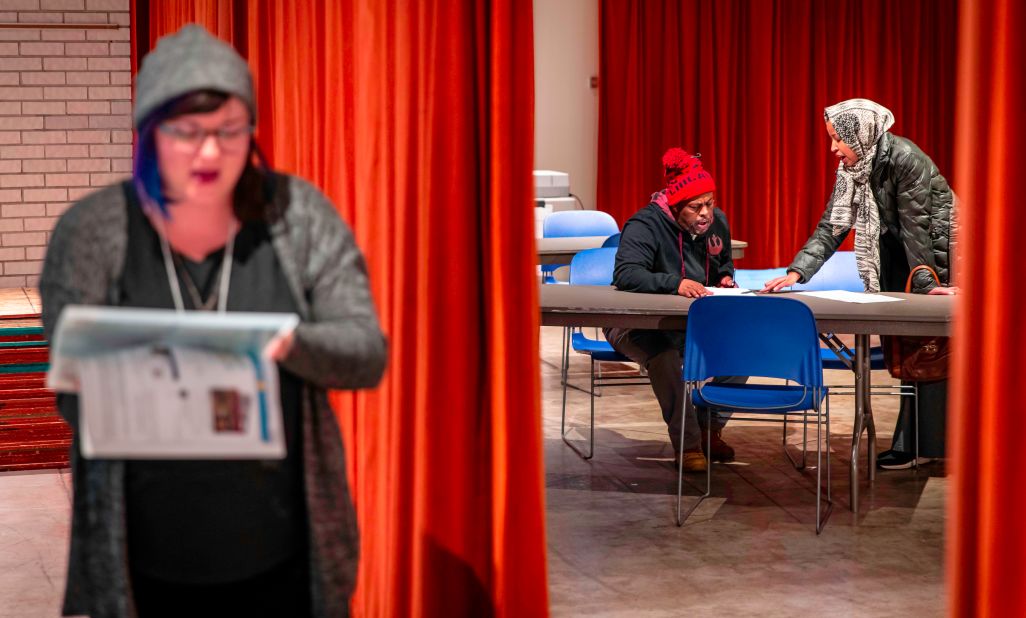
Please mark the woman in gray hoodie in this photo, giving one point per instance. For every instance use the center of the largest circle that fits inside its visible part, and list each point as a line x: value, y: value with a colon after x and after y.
x: 204, y: 225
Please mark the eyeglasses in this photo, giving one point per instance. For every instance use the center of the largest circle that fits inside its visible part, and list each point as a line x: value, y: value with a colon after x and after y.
x: 191, y: 137
x: 700, y: 206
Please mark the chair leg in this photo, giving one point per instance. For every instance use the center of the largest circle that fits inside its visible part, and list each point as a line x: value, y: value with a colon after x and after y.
x: 597, y: 393
x: 821, y: 516
x: 564, y: 357
x: 591, y: 423
x: 591, y: 430
x: 829, y: 499
x: 565, y: 375
x: 562, y: 421
x: 797, y: 465
x: 708, y: 449
x: 915, y: 424
x: 680, y: 455
x: 819, y: 474
x: 805, y: 438
x: 819, y: 471
x: 680, y: 460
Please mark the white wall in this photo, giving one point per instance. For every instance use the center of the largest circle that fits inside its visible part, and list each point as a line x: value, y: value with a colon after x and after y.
x: 566, y: 107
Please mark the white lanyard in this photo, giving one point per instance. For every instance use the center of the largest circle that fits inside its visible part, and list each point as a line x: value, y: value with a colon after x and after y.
x: 172, y: 274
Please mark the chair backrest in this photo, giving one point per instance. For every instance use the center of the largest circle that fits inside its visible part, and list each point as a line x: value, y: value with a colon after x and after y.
x: 754, y: 279
x: 837, y: 273
x: 593, y: 267
x: 567, y: 223
x: 612, y: 241
x: 762, y: 336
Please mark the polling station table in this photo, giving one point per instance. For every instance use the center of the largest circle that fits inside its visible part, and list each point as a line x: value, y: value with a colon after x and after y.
x: 917, y: 314
x: 561, y: 250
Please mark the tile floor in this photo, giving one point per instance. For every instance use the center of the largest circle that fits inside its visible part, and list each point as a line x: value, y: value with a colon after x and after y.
x: 19, y: 301
x: 34, y: 518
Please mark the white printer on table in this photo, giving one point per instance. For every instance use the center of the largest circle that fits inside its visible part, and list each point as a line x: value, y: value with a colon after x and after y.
x: 551, y: 194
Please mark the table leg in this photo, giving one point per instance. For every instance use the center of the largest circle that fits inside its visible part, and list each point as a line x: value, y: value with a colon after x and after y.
x: 856, y: 431
x: 868, y: 421
x: 863, y: 418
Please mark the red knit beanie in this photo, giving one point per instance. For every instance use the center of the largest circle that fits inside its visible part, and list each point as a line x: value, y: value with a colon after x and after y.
x: 685, y: 177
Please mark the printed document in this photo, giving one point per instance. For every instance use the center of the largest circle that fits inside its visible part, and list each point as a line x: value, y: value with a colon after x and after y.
x: 156, y: 384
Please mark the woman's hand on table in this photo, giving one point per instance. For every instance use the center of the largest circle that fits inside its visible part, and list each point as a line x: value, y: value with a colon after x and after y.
x: 775, y: 285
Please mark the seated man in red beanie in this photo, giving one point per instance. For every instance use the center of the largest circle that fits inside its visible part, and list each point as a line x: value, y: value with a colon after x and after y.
x: 678, y: 244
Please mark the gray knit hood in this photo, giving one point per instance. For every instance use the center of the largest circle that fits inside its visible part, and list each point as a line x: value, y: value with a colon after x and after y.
x: 189, y: 60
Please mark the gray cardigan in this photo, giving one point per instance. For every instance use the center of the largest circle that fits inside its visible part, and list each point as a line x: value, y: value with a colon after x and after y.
x: 338, y: 345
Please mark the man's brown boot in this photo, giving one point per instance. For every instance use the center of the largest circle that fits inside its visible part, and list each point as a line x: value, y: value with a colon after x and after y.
x: 721, y: 451
x: 694, y: 461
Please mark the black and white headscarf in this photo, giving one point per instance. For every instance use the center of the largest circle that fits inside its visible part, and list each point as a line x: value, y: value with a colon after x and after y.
x: 859, y: 123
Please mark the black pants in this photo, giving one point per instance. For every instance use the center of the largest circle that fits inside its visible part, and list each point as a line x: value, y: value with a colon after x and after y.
x: 283, y: 591
x: 933, y: 404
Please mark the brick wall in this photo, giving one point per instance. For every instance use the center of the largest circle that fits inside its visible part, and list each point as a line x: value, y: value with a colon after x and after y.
x: 65, y: 119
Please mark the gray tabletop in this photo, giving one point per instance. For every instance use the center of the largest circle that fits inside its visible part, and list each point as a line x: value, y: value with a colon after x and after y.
x: 562, y: 250
x: 579, y: 305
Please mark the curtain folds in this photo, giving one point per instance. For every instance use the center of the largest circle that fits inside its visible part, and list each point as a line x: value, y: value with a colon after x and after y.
x: 985, y: 538
x: 744, y: 82
x: 416, y: 118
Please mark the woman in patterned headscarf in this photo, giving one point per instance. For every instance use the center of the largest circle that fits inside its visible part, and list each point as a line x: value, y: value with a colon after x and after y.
x: 902, y: 211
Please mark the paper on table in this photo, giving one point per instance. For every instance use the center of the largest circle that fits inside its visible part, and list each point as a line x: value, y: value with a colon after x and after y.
x: 728, y: 291
x: 845, y: 296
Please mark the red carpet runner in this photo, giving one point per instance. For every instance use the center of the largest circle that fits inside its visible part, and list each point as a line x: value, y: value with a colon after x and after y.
x: 32, y: 434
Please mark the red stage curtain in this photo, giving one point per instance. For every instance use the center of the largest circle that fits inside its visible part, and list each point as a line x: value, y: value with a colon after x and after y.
x: 986, y: 538
x: 744, y: 82
x: 416, y: 118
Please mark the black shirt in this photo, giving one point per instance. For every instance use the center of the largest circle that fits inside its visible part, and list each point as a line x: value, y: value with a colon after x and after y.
x: 655, y: 253
x: 214, y: 521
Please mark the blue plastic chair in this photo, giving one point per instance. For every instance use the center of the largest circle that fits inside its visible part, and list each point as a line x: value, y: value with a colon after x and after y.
x: 593, y: 267
x: 569, y: 223
x: 721, y: 332
x: 612, y: 241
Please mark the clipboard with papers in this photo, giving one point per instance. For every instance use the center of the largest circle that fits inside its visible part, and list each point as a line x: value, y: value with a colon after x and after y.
x: 160, y: 384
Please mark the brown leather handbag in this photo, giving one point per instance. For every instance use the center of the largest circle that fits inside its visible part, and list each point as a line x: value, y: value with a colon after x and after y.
x: 917, y: 359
